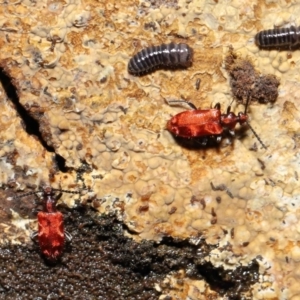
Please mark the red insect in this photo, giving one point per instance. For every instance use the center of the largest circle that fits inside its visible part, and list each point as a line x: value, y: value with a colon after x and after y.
x: 207, y: 124
x: 51, y: 234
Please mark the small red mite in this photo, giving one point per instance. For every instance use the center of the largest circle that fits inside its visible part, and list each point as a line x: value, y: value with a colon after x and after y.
x: 206, y: 123
x: 51, y: 234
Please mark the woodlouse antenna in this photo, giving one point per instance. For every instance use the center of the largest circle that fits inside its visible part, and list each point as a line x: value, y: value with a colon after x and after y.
x: 256, y: 135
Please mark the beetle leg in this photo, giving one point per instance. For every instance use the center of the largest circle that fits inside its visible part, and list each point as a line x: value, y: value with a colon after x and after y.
x: 34, y: 235
x: 204, y: 141
x: 218, y: 106
x: 218, y: 138
x: 191, y: 105
x: 180, y: 102
x: 68, y: 236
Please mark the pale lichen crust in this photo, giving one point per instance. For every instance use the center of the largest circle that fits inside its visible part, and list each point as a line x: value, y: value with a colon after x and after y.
x: 68, y: 64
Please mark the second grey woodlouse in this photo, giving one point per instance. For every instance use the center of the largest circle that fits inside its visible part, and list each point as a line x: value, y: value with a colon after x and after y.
x: 170, y: 55
x: 278, y: 37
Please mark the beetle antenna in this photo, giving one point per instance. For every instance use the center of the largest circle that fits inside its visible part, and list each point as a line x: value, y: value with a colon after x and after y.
x: 256, y: 135
x: 231, y: 102
x: 66, y: 191
x: 247, y: 102
x: 252, y: 129
x: 26, y: 194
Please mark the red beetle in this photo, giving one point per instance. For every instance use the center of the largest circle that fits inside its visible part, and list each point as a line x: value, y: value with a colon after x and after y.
x: 206, y: 123
x: 51, y: 234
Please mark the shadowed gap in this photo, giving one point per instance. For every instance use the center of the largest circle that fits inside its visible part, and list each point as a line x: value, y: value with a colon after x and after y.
x: 31, y: 125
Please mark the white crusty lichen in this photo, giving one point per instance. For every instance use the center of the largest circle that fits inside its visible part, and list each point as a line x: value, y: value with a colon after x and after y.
x: 70, y: 59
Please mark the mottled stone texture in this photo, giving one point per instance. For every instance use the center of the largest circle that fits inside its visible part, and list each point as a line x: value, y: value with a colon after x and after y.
x: 73, y: 116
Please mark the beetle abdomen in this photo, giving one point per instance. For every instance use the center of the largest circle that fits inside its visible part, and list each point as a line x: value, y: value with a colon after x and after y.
x: 196, y: 123
x: 51, y: 234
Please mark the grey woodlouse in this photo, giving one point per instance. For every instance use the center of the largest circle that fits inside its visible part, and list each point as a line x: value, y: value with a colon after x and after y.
x: 278, y: 37
x: 171, y: 55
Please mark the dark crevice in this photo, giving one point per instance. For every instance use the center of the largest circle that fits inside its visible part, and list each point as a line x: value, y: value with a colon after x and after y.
x: 229, y: 282
x: 61, y: 163
x: 31, y: 125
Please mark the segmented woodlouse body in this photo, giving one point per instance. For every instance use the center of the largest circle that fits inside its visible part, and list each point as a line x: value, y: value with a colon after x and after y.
x: 170, y: 55
x: 278, y: 37
x: 207, y: 124
x: 51, y: 234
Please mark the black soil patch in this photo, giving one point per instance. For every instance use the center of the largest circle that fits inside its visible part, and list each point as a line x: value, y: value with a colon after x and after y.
x: 102, y: 263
